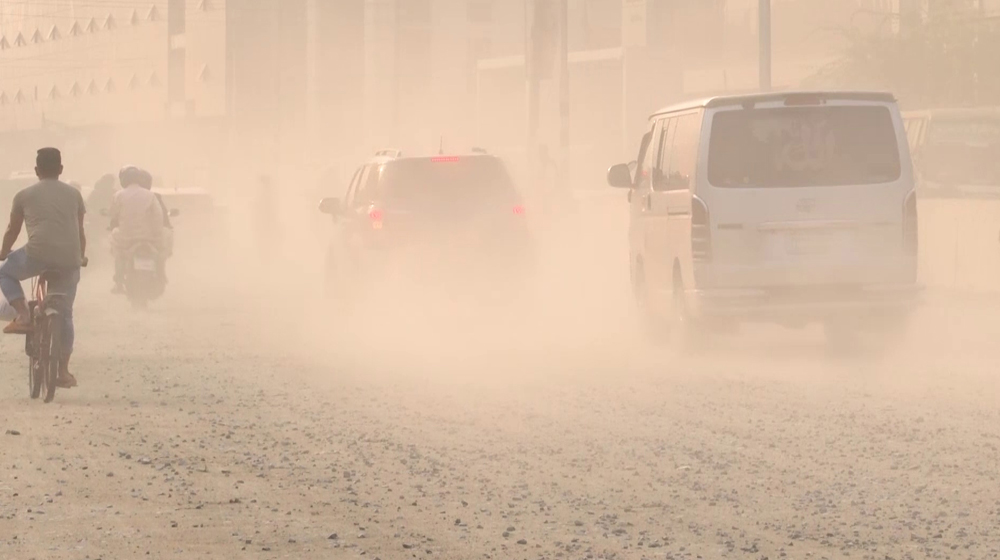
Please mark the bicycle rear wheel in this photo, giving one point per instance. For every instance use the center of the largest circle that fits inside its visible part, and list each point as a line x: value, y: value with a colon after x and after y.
x: 42, y: 356
x: 31, y: 347
x: 54, y: 350
x: 36, y: 376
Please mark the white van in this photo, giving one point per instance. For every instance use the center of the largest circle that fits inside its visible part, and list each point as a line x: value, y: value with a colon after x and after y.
x: 792, y: 208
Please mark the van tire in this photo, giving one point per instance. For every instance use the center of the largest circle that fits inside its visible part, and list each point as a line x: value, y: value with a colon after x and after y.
x: 687, y: 333
x: 654, y: 328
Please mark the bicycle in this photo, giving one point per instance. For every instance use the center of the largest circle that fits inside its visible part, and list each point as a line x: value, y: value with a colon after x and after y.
x: 44, y: 344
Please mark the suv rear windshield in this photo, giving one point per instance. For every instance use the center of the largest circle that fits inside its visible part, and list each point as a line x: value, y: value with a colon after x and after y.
x: 448, y: 182
x: 803, y: 147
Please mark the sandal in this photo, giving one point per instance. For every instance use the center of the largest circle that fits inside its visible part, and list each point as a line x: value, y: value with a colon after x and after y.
x: 66, y: 381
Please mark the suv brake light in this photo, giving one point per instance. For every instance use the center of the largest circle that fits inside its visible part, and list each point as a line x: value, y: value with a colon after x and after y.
x: 375, y: 215
x: 518, y: 210
x: 444, y: 159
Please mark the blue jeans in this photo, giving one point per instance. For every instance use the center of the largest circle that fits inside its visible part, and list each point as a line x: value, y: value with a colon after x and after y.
x: 19, y: 266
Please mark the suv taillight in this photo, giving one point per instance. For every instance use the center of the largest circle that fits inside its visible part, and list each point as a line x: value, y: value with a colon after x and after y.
x: 701, y: 234
x: 375, y: 215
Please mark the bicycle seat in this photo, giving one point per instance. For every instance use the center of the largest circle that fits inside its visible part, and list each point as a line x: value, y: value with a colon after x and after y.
x: 49, y: 275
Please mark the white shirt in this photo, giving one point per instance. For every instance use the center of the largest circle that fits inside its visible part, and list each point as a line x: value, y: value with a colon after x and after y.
x: 138, y: 214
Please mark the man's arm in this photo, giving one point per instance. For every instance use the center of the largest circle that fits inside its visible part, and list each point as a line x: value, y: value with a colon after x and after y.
x: 13, y: 230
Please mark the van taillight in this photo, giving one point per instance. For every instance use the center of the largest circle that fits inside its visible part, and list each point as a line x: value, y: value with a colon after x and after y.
x: 910, y: 229
x: 701, y: 234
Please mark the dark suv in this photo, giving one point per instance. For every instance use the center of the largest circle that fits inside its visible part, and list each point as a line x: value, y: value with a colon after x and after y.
x: 443, y: 219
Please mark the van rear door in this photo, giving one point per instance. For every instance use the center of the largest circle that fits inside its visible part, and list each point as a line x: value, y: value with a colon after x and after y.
x: 810, y: 190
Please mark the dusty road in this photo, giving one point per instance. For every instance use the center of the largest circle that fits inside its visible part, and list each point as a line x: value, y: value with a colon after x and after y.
x: 210, y: 427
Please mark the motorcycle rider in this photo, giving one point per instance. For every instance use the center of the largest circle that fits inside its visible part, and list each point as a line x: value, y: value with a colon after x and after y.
x: 103, y: 193
x: 167, y: 245
x: 137, y: 215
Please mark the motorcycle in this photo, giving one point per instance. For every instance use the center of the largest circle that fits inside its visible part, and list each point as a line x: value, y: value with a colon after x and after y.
x: 144, y: 278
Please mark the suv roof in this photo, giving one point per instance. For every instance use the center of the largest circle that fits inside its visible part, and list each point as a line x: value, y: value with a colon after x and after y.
x: 389, y: 155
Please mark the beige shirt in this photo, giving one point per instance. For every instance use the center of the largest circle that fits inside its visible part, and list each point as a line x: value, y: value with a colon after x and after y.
x: 138, y: 214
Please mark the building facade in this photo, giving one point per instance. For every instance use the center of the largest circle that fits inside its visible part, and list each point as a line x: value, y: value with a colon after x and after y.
x: 322, y: 77
x: 156, y: 76
x: 85, y: 66
x: 68, y: 67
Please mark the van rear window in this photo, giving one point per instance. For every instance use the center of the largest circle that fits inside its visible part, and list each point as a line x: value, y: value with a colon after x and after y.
x: 803, y: 147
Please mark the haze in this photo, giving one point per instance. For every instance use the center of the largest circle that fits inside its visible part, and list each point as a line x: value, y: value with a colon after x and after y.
x: 245, y: 414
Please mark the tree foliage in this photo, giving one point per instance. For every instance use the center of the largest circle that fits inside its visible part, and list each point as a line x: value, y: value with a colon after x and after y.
x: 945, y: 61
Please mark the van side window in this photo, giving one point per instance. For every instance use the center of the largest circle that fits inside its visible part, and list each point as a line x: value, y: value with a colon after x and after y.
x: 643, y: 176
x: 685, y: 151
x: 680, y: 154
x: 665, y: 148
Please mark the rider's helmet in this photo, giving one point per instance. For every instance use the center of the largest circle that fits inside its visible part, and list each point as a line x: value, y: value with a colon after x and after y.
x: 129, y: 175
x: 145, y: 179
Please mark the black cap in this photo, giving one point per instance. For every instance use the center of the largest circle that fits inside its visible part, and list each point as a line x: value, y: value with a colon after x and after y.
x: 49, y: 159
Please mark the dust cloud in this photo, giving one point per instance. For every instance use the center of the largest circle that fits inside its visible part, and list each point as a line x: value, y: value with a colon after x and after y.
x: 250, y: 411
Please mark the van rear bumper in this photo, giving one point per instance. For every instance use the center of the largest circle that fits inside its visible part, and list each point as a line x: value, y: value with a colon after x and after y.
x: 802, y: 304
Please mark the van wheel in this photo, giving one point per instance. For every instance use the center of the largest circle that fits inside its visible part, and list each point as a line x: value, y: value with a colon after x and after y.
x: 654, y: 327
x: 688, y: 333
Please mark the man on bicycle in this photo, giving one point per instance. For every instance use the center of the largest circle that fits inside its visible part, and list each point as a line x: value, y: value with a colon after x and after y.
x: 53, y: 213
x: 137, y: 215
